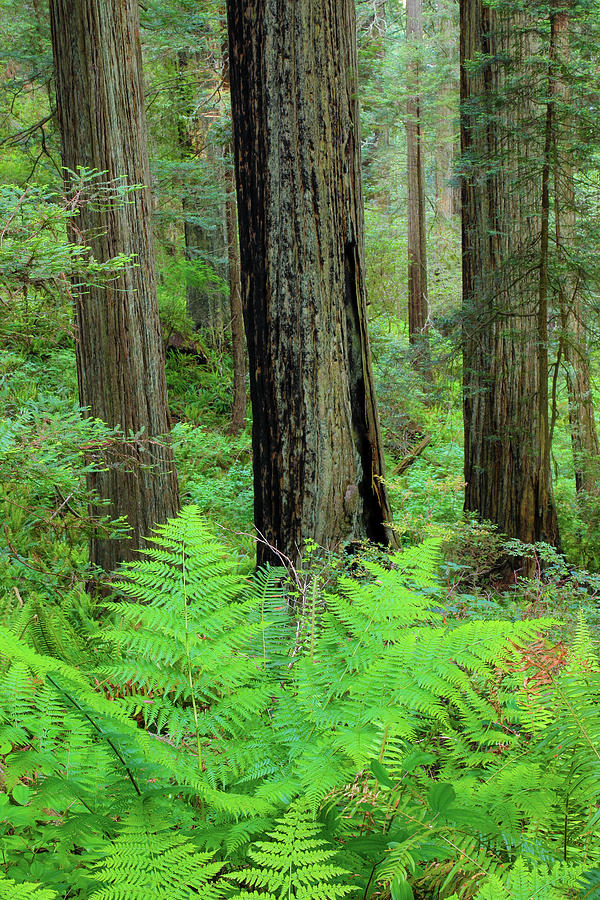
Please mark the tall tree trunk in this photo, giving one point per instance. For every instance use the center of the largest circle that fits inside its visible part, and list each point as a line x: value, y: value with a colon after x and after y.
x: 238, y: 343
x: 120, y: 361
x: 447, y: 133
x: 418, y: 306
x: 372, y: 38
x: 204, y: 297
x: 584, y: 435
x: 504, y: 344
x: 318, y: 460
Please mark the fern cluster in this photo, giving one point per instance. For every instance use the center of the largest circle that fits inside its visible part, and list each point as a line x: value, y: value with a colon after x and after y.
x: 203, y: 742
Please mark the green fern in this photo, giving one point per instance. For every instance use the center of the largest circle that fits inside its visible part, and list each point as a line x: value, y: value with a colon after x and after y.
x: 530, y: 882
x: 149, y: 859
x: 371, y: 737
x: 10, y: 890
x: 296, y: 862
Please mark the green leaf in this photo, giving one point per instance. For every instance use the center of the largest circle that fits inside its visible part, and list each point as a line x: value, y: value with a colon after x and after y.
x: 401, y: 890
x: 417, y: 758
x: 21, y: 794
x: 440, y: 797
x: 380, y: 773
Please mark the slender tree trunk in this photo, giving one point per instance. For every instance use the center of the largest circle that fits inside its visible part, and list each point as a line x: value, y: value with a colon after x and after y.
x: 204, y: 298
x: 318, y: 460
x: 542, y: 312
x: 584, y: 434
x: 444, y: 166
x: 418, y: 306
x: 120, y: 359
x: 238, y: 343
x: 375, y: 163
x: 504, y: 338
x: 447, y: 133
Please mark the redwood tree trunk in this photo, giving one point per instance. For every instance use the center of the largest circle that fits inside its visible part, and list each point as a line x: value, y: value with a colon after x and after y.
x: 418, y: 307
x: 120, y: 361
x: 318, y: 460
x: 504, y: 344
x: 584, y: 434
x: 447, y: 132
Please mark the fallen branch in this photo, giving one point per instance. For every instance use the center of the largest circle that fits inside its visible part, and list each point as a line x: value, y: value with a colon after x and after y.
x: 414, y: 454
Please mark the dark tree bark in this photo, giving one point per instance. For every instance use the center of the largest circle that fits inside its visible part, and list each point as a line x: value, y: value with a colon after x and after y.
x: 504, y: 327
x: 120, y: 358
x: 418, y: 306
x: 318, y: 460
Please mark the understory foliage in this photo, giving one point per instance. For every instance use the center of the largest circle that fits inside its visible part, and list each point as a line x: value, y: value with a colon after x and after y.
x: 206, y: 742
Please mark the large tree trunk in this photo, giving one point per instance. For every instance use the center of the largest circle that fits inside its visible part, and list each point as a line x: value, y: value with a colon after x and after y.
x: 318, y: 460
x: 504, y: 342
x: 418, y: 305
x: 584, y: 435
x: 120, y: 361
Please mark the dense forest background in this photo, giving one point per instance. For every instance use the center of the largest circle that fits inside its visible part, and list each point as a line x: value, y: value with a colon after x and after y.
x: 348, y: 332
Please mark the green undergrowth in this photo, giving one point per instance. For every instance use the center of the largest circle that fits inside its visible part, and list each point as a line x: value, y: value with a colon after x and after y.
x: 199, y: 736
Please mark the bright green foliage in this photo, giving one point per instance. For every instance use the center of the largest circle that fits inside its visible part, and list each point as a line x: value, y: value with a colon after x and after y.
x: 184, y: 640
x: 10, y: 890
x: 296, y: 862
x: 149, y: 859
x: 525, y: 882
x: 204, y: 737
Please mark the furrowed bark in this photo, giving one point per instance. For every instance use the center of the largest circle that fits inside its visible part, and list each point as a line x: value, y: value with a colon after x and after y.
x: 504, y: 343
x: 120, y: 357
x: 318, y: 460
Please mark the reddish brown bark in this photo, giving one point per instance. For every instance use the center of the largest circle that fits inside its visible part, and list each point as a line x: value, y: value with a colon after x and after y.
x: 120, y: 357
x: 418, y: 304
x: 582, y: 420
x: 504, y: 331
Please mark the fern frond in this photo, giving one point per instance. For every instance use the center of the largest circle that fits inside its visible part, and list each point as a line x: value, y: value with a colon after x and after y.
x: 11, y: 890
x: 150, y: 859
x: 296, y: 862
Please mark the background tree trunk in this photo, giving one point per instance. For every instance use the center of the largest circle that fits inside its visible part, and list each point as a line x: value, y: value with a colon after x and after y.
x: 205, y: 300
x: 447, y: 131
x: 120, y: 361
x: 504, y: 351
x: 418, y: 307
x: 584, y: 435
x: 318, y: 461
x: 238, y: 342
